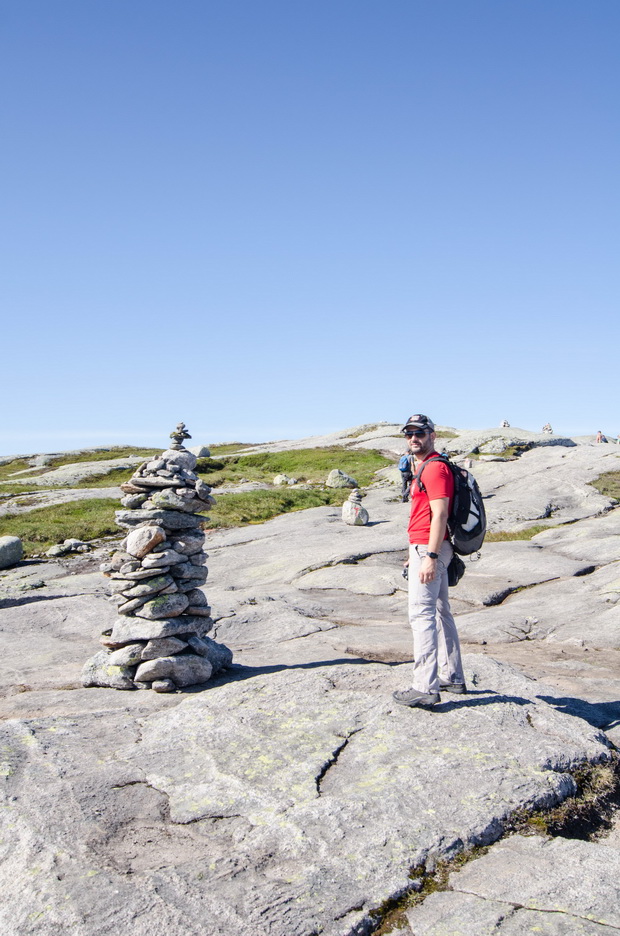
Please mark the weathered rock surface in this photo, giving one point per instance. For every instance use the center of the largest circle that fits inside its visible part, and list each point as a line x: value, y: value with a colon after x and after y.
x: 560, y: 887
x: 292, y: 796
x: 304, y: 817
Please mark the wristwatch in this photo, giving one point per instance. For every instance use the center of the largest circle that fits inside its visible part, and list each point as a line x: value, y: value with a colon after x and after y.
x: 432, y: 555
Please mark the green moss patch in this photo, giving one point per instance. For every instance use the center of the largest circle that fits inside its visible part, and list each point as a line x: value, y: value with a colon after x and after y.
x: 608, y: 484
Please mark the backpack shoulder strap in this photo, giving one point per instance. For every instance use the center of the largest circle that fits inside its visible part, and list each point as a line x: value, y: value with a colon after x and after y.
x: 418, y: 476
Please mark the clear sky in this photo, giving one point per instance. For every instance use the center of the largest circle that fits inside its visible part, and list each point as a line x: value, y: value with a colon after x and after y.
x: 275, y: 218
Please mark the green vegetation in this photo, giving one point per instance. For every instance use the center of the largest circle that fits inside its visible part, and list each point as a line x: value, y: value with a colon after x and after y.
x: 446, y: 435
x: 39, y: 529
x: 111, y: 478
x: 115, y: 451
x: 258, y: 506
x: 608, y: 484
x: 91, y: 519
x: 527, y: 534
x: 7, y: 471
x: 229, y: 447
x: 311, y: 465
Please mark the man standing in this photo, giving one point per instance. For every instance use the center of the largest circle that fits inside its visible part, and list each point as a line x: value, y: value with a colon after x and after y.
x: 437, y: 653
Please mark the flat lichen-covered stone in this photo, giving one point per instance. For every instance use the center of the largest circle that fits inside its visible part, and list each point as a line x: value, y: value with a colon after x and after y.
x: 99, y: 671
x: 129, y: 629
x: 164, y: 606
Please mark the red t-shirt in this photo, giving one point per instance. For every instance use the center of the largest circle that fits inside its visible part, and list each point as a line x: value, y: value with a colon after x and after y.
x: 438, y: 481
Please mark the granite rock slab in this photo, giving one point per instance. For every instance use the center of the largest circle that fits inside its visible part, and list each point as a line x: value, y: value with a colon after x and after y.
x: 293, y: 802
x: 586, y: 608
x: 558, y: 887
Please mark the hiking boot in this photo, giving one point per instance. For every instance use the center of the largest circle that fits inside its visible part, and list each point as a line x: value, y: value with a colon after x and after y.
x: 415, y: 699
x: 458, y: 687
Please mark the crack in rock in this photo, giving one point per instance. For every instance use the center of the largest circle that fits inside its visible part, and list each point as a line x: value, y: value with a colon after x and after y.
x: 333, y: 760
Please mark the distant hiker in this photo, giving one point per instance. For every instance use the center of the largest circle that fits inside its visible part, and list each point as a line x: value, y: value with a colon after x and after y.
x: 547, y: 428
x: 600, y: 437
x: 436, y: 648
x: 406, y: 469
x: 504, y: 424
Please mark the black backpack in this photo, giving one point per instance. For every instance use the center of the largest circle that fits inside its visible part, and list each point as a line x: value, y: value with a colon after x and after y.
x: 467, y: 523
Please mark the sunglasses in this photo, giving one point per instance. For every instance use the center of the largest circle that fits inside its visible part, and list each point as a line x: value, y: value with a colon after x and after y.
x: 419, y: 433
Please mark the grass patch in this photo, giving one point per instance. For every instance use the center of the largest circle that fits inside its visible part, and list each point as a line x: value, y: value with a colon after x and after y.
x: 510, y: 535
x: 311, y: 465
x: 7, y: 471
x: 446, y: 435
x: 258, y: 506
x: 115, y: 451
x: 42, y: 528
x: 111, y: 478
x: 229, y: 448
x: 608, y: 484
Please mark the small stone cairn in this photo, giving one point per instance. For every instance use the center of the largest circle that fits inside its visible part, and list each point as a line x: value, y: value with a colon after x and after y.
x: 159, y: 639
x: 352, y: 511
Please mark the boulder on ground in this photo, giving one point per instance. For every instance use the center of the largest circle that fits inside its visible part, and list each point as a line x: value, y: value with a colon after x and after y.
x: 338, y: 479
x: 11, y: 551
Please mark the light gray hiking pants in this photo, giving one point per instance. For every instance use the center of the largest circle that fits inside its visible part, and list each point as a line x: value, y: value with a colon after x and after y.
x: 436, y: 648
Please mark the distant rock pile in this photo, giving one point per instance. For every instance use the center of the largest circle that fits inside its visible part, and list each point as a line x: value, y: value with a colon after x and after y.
x: 352, y: 511
x: 159, y: 640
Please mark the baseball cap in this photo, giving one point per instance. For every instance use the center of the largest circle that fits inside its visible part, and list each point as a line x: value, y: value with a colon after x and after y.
x: 418, y: 421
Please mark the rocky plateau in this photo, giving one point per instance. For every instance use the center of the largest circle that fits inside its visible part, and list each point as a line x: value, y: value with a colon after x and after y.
x: 289, y: 795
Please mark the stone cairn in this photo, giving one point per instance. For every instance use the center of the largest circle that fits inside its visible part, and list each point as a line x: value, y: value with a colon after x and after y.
x: 159, y: 639
x: 352, y: 511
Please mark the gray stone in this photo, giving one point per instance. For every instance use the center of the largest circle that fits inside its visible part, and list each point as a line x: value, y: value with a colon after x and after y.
x: 99, y: 671
x: 163, y: 685
x: 129, y: 630
x: 186, y: 670
x: 129, y: 655
x: 128, y: 607
x: 219, y: 656
x: 203, y: 490
x: 166, y: 646
x: 180, y: 459
x: 171, y: 519
x: 338, y: 479
x: 167, y: 557
x: 11, y: 551
x: 168, y: 500
x: 145, y: 587
x: 164, y: 606
x: 200, y: 451
x: 139, y: 573
x: 132, y: 501
x: 189, y: 544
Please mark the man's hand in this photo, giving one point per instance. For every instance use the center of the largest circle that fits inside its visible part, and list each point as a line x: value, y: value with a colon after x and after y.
x: 428, y: 570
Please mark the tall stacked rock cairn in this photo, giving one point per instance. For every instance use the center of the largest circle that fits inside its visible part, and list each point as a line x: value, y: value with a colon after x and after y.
x: 159, y: 640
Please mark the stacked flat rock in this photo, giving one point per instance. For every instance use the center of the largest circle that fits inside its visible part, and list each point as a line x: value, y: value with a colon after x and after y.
x: 160, y: 638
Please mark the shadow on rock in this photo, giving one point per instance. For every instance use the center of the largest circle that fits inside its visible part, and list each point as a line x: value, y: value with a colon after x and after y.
x: 598, y: 714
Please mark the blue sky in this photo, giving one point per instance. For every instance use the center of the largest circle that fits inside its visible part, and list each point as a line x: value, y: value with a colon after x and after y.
x: 280, y: 218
